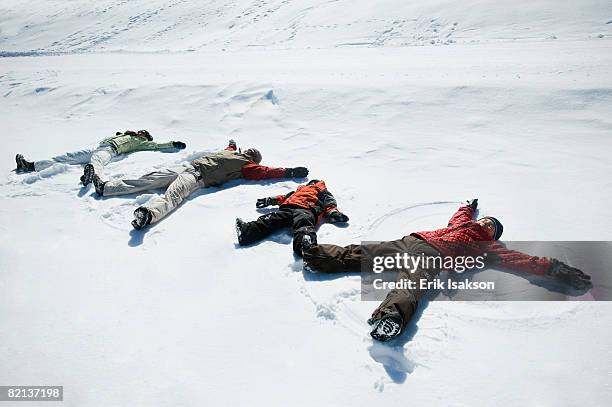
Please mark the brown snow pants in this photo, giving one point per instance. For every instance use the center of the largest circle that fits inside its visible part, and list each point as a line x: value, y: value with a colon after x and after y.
x: 328, y: 258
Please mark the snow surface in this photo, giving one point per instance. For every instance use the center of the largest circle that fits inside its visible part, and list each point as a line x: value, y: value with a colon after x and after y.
x: 511, y: 104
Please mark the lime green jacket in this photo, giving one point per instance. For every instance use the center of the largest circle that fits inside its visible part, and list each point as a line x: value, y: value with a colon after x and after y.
x: 124, y: 144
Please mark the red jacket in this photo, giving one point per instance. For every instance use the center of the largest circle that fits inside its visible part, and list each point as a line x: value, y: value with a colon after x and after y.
x: 256, y: 171
x: 313, y: 195
x: 464, y: 236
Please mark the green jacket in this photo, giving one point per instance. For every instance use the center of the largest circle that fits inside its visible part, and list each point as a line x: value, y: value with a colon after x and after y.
x: 124, y: 144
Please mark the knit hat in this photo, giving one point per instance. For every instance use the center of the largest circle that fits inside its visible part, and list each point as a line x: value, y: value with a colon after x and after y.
x: 253, y: 154
x: 145, y: 134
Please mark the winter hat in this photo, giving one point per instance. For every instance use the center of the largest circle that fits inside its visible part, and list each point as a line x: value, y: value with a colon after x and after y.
x: 253, y: 154
x: 146, y: 134
x: 499, y: 228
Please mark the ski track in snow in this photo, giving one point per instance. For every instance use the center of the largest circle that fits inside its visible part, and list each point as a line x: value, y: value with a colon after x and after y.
x: 163, y: 26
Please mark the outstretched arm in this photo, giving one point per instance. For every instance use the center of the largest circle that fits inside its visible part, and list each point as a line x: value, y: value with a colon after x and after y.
x: 330, y: 208
x: 273, y: 200
x: 516, y: 261
x: 280, y: 199
x: 256, y: 171
x: 327, y: 201
x: 463, y: 214
x: 152, y: 146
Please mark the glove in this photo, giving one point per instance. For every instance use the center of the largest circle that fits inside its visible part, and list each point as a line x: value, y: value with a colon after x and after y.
x: 336, y: 216
x: 179, y: 144
x: 297, y: 172
x: 263, y: 202
x: 232, y: 144
x: 569, y: 275
x: 473, y: 203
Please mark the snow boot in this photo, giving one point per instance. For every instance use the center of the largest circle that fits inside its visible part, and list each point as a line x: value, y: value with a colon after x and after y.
x: 98, y: 184
x: 239, y: 230
x: 307, y: 243
x: 386, y: 328
x: 23, y: 165
x: 142, y: 218
x: 88, y: 174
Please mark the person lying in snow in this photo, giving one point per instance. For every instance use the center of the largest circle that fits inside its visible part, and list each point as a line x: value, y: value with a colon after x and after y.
x: 209, y: 170
x: 301, y: 209
x: 96, y: 159
x: 462, y: 233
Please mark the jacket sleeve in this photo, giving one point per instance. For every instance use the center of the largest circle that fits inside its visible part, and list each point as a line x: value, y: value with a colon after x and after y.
x: 280, y: 199
x: 463, y: 214
x: 256, y: 171
x: 327, y: 201
x: 499, y: 255
x: 151, y: 145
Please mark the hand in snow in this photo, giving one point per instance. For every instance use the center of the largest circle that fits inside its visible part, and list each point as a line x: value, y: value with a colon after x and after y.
x: 263, y: 202
x: 336, y: 216
x: 569, y: 275
x: 179, y: 144
x: 473, y: 203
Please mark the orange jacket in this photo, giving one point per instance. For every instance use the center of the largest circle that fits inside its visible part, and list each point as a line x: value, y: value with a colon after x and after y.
x: 313, y: 195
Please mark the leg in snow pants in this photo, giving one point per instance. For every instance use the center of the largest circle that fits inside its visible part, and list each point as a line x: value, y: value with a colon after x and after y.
x: 179, y: 183
x: 99, y: 158
x: 302, y: 221
x: 327, y: 258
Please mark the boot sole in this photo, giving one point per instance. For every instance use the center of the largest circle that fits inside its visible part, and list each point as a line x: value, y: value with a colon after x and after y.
x: 88, y: 173
x: 384, y: 337
x: 238, y: 231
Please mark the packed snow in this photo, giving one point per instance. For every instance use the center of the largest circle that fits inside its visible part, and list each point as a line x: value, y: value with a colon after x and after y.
x: 405, y: 109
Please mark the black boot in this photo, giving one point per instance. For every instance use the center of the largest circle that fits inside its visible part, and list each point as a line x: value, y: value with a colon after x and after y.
x: 88, y: 174
x: 239, y: 230
x: 23, y: 165
x: 307, y: 243
x: 99, y: 185
x: 386, y: 328
x: 142, y: 218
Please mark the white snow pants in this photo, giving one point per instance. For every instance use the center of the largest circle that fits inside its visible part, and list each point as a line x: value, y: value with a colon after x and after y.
x: 180, y: 183
x: 99, y: 158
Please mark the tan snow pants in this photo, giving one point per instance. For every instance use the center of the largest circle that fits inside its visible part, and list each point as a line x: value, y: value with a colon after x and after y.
x: 179, y: 183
